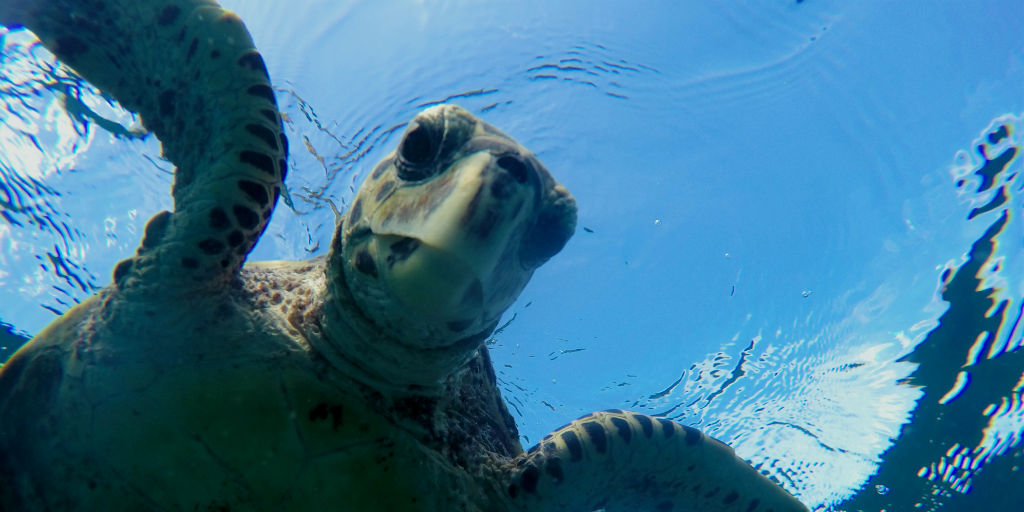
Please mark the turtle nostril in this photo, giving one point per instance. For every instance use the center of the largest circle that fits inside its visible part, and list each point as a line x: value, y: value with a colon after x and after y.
x: 514, y: 166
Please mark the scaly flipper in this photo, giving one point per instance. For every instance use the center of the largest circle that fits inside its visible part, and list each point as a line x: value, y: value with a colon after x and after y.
x: 621, y: 461
x: 189, y: 68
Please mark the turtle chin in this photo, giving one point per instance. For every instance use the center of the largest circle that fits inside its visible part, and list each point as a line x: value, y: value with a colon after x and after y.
x: 434, y: 285
x: 430, y: 297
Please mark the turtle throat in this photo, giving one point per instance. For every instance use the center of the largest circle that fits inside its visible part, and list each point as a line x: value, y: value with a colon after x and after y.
x: 354, y: 344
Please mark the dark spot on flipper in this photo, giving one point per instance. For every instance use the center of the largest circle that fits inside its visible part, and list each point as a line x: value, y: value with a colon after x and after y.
x: 247, y: 218
x: 211, y: 246
x: 665, y: 506
x: 254, y: 61
x: 263, y: 91
x: 573, y: 443
x: 219, y: 219
x: 513, y: 491
x: 264, y: 134
x: 190, y: 262
x: 255, y: 191
x: 645, y: 424
x: 554, y: 469
x: 754, y: 503
x: 70, y: 47
x: 622, y: 426
x: 528, y: 480
x: 235, y: 238
x: 259, y: 161
x: 596, y: 432
x: 215, y: 54
x: 402, y: 249
x: 692, y: 435
x: 122, y: 269
x: 668, y: 427
x: 731, y: 497
x: 168, y: 15
x: 364, y: 263
x: 269, y: 114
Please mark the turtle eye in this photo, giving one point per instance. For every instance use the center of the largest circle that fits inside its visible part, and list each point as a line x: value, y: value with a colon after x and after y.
x: 417, y: 147
x: 416, y: 150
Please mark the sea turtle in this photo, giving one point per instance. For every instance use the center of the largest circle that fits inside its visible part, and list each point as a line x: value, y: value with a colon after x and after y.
x: 354, y: 381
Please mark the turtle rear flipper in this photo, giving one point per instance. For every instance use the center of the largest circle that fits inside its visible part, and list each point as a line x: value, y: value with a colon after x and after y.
x: 618, y: 461
x: 190, y: 69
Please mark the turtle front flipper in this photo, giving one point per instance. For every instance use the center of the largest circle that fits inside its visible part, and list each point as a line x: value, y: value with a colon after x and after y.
x: 620, y: 461
x: 190, y: 69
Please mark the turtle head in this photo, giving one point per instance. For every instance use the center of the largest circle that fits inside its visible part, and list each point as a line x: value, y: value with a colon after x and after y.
x: 441, y: 239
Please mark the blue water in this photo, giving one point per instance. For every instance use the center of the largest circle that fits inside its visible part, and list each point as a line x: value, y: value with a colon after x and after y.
x: 800, y: 222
